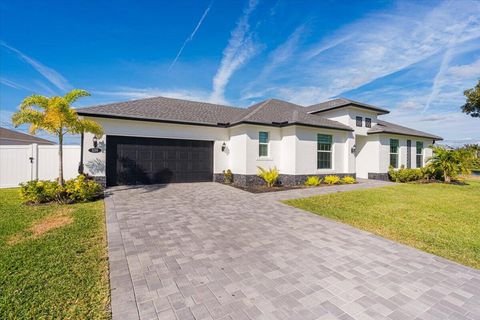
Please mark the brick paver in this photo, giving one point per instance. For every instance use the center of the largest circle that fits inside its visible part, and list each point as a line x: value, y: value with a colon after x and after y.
x: 208, y: 251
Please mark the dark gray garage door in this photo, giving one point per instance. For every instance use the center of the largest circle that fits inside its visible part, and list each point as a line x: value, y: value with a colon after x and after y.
x: 147, y: 160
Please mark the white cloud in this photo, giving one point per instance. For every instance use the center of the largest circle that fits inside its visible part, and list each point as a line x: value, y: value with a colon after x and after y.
x: 444, y: 65
x: 283, y: 52
x: 377, y: 46
x: 51, y: 75
x: 150, y: 92
x: 239, y: 50
x: 326, y: 45
x: 434, y: 117
x: 471, y: 70
x: 14, y: 85
x: 190, y: 38
x: 278, y: 57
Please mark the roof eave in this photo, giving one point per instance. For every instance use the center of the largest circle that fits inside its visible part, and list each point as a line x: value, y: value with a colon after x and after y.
x: 218, y: 125
x: 436, y: 138
x: 378, y: 111
x: 109, y: 116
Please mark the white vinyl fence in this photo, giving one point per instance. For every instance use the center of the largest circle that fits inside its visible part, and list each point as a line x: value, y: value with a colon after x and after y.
x: 21, y: 163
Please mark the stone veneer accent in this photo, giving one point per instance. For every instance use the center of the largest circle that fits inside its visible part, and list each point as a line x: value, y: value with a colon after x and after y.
x: 378, y: 176
x: 101, y: 180
x: 243, y: 180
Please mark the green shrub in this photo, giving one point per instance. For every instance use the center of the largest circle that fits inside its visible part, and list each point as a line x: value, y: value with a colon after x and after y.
x: 270, y: 176
x: 313, y: 181
x: 406, y: 175
x: 82, y: 189
x: 348, y: 180
x: 76, y: 190
x: 228, y: 176
x: 38, y: 191
x: 332, y: 180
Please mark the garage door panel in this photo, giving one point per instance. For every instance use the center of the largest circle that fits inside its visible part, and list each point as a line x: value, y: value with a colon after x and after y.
x: 132, y: 160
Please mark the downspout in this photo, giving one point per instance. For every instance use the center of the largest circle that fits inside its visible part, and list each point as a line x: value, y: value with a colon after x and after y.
x: 80, y: 166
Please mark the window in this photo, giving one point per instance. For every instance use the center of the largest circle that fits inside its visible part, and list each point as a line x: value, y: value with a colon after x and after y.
x: 368, y: 122
x: 394, y: 153
x: 263, y: 144
x: 324, y: 151
x: 419, y: 154
x: 359, y: 121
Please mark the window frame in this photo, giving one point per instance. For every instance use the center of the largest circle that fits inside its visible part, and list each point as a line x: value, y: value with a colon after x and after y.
x: 368, y: 122
x: 396, y: 154
x: 419, y: 164
x: 260, y: 144
x: 359, y: 119
x: 329, y: 151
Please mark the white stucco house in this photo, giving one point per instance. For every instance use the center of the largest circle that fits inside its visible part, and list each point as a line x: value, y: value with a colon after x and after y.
x: 164, y: 140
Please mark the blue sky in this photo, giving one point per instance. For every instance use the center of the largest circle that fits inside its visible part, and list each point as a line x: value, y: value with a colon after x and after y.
x: 414, y: 58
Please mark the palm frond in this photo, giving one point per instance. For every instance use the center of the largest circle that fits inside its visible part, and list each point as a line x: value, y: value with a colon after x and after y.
x: 73, y: 95
x: 92, y: 127
x: 85, y: 125
x: 34, y: 100
x: 27, y: 116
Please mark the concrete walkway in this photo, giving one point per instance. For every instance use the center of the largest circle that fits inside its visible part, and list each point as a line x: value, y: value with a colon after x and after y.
x: 209, y: 251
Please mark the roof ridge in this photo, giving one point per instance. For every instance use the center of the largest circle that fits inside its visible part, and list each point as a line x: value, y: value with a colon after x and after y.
x: 161, y: 97
x: 256, y: 109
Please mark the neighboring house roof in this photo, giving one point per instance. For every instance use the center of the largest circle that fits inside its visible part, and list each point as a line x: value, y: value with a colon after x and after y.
x: 342, y: 102
x: 388, y: 127
x: 12, y: 137
x: 271, y: 112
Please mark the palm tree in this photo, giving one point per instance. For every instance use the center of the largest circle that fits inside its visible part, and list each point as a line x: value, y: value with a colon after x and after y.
x: 56, y: 116
x: 451, y: 162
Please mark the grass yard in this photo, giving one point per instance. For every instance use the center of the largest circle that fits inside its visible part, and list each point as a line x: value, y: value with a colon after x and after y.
x: 53, y: 260
x: 437, y: 218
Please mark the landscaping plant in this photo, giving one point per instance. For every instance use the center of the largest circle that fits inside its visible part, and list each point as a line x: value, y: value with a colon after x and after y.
x: 270, y: 176
x: 451, y: 162
x: 332, y: 180
x: 228, y: 176
x: 80, y: 189
x: 313, y: 181
x: 55, y: 116
x: 36, y: 191
x: 348, y: 180
x: 405, y: 175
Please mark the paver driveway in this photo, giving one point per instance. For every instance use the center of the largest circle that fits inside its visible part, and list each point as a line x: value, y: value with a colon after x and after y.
x: 208, y: 251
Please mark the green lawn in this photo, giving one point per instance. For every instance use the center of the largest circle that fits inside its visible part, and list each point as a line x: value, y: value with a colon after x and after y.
x: 53, y: 260
x: 437, y: 218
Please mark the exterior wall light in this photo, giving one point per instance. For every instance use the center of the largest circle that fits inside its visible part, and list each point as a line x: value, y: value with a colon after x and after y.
x: 354, y: 148
x: 224, y: 146
x: 95, y: 148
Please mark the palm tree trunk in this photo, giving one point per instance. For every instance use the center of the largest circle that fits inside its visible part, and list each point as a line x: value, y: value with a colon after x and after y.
x: 60, y: 159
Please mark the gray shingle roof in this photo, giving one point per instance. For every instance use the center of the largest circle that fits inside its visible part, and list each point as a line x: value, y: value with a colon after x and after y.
x: 341, y: 102
x: 285, y: 113
x: 12, y: 137
x: 388, y: 127
x: 166, y: 109
x: 269, y: 112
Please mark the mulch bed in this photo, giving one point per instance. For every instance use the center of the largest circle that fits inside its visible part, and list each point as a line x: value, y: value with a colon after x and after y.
x: 264, y: 189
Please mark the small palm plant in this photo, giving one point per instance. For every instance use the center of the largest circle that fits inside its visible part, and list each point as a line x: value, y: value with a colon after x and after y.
x: 270, y: 176
x: 56, y: 116
x: 450, y: 162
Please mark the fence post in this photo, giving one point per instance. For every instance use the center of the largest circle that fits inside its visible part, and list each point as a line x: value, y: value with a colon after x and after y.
x: 34, y: 161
